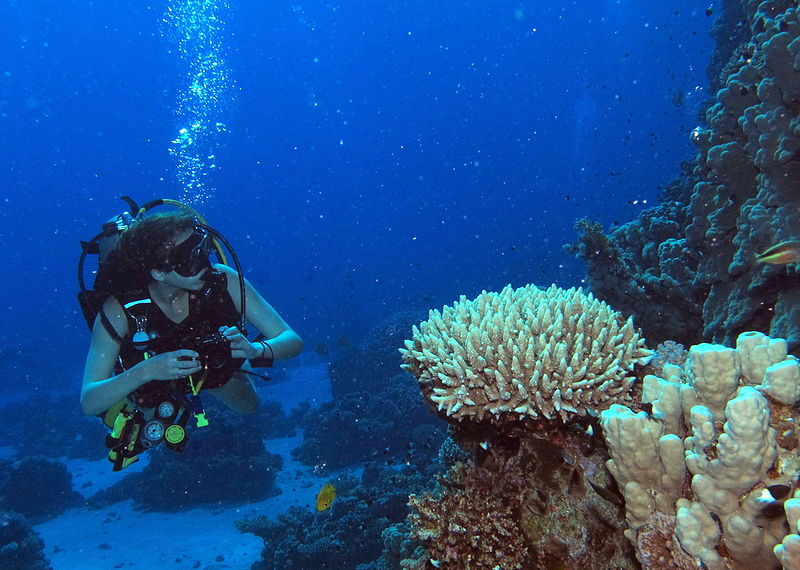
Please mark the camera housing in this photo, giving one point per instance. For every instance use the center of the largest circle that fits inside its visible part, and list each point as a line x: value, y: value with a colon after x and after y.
x: 214, y: 349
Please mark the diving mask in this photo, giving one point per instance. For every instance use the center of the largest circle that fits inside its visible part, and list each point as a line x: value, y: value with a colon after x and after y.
x: 191, y: 256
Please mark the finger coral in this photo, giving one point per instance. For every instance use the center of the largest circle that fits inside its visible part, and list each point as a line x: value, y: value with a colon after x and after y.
x: 524, y: 353
x: 713, y: 462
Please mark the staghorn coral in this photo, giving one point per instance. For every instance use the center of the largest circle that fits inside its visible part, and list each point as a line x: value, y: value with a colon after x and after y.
x: 524, y: 353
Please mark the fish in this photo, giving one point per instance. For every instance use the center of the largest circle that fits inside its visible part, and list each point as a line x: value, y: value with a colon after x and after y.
x: 782, y: 254
x: 779, y: 491
x: 325, y: 497
x: 772, y: 499
x: 607, y: 494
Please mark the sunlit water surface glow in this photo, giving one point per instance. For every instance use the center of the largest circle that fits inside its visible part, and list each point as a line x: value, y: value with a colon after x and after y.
x: 196, y: 29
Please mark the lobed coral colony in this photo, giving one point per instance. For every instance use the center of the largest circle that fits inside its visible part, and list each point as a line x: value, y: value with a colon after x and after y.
x: 689, y: 270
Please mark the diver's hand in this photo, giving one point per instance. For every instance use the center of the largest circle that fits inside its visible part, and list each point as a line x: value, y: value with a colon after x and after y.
x: 173, y: 365
x: 240, y: 346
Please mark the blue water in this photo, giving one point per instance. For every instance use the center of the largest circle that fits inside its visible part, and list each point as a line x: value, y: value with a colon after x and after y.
x: 378, y: 155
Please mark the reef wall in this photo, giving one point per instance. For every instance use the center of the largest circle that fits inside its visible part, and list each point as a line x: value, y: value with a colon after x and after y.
x: 692, y: 260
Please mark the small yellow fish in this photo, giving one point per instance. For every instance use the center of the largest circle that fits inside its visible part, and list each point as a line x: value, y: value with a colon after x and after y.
x: 782, y: 254
x: 325, y: 497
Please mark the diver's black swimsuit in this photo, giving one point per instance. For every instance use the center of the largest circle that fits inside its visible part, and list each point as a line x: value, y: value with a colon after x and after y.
x: 209, y: 309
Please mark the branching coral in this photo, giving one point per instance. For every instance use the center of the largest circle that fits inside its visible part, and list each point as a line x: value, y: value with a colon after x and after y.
x: 516, y: 373
x: 525, y: 353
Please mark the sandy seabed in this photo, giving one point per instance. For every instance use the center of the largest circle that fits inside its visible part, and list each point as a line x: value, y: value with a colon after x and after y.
x: 201, y: 538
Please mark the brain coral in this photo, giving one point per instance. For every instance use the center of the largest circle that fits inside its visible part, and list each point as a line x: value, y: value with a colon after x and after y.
x: 524, y: 352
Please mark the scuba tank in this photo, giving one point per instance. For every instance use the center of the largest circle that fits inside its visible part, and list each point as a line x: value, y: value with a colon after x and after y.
x: 91, y: 300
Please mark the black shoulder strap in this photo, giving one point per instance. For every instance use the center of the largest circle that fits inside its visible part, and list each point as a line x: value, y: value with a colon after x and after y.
x: 135, y: 305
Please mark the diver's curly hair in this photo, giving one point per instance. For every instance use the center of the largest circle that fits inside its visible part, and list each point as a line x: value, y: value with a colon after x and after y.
x: 143, y: 247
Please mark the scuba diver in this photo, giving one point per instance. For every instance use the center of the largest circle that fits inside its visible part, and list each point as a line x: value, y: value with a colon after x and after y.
x: 170, y: 324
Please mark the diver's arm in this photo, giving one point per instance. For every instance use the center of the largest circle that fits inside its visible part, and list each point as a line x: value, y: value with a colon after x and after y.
x: 284, y: 342
x: 101, y: 388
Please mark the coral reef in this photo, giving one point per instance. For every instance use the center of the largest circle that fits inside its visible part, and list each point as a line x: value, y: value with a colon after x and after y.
x: 349, y: 534
x: 528, y: 500
x: 702, y: 474
x: 371, y: 364
x: 270, y: 420
x: 37, y: 488
x: 458, y: 538
x: 224, y: 462
x: 532, y: 491
x: 749, y: 165
x: 375, y: 410
x: 20, y: 545
x: 524, y: 353
x: 644, y: 268
x: 388, y: 424
x: 73, y: 435
x: 668, y: 352
x: 699, y: 261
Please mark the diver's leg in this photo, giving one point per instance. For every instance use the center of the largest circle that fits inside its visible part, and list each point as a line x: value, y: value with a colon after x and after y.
x: 238, y: 394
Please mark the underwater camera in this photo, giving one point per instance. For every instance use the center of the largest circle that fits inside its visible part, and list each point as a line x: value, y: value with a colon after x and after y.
x: 214, y: 349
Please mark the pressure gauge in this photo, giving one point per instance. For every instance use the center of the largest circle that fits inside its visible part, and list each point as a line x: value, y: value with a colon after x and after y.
x: 166, y: 409
x: 154, y: 431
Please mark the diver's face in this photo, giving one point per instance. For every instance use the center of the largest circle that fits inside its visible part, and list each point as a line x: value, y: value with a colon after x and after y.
x: 189, y: 260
